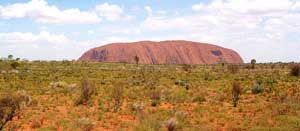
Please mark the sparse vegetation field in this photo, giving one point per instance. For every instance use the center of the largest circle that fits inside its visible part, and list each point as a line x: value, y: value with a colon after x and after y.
x: 86, y: 96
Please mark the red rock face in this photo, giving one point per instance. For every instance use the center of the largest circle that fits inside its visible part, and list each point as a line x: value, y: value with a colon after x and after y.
x: 164, y: 52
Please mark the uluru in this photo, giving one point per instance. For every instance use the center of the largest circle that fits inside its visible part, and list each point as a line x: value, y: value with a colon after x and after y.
x: 163, y: 52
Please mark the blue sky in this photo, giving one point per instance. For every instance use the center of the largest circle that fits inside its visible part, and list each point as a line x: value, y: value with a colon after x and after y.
x: 265, y: 30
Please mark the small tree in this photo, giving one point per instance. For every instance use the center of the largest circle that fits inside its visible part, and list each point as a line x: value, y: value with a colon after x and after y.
x: 10, y: 57
x: 136, y: 59
x: 236, y: 92
x: 253, y: 62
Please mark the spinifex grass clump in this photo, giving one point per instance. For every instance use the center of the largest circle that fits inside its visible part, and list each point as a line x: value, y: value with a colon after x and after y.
x: 171, y: 124
x: 183, y: 83
x: 138, y: 109
x: 188, y: 68
x: 257, y: 88
x: 155, y: 97
x: 85, y: 124
x: 236, y: 92
x: 87, y: 91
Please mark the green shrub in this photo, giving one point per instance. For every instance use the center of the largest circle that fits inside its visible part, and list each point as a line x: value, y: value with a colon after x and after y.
x: 183, y: 83
x: 199, y: 99
x: 271, y: 83
x: 177, y: 95
x: 257, y: 88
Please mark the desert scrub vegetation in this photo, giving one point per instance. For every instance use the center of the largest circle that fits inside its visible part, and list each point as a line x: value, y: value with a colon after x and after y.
x: 257, y: 87
x: 236, y: 92
x: 87, y: 91
x: 295, y: 70
x: 253, y: 62
x: 10, y: 104
x: 85, y: 124
x: 117, y: 96
x: 233, y: 68
x: 125, y: 96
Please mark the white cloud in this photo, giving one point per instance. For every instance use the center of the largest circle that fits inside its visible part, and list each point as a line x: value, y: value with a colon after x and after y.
x: 112, y: 12
x: 49, y: 46
x: 19, y: 38
x: 43, y: 45
x: 91, y: 32
x: 246, y: 6
x: 296, y: 6
x: 46, y: 45
x: 198, y: 7
x: 255, y: 28
x: 266, y: 30
x: 149, y: 10
x: 162, y: 23
x: 157, y: 21
x: 117, y: 30
x: 40, y: 11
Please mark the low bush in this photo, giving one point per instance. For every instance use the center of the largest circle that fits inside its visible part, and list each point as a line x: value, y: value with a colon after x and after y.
x: 138, y: 108
x: 155, y: 97
x: 10, y: 105
x: 257, y: 88
x: 87, y: 91
x: 236, y: 92
x: 85, y: 124
x: 208, y: 76
x: 295, y: 70
x: 15, y: 64
x: 233, y: 69
x: 171, y: 124
x: 117, y: 93
x: 188, y: 68
x: 199, y: 99
x: 183, y: 83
